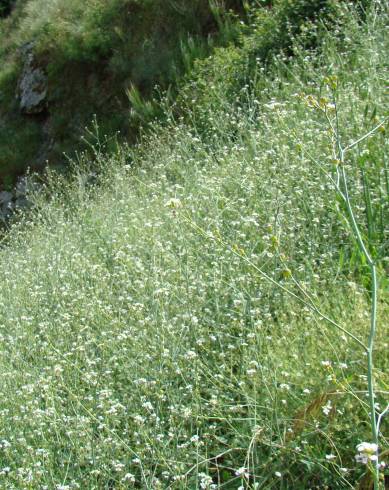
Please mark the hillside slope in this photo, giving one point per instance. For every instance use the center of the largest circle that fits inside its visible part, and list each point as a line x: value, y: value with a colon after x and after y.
x: 88, y: 55
x: 64, y: 61
x: 163, y: 326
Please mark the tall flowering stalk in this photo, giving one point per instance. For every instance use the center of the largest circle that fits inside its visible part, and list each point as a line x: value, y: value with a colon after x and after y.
x: 367, y: 451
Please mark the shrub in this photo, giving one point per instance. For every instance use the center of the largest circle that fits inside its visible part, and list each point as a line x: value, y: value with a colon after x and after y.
x: 5, y: 7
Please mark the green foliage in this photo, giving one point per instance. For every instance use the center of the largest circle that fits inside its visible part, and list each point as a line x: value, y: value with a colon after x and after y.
x: 272, y: 34
x: 142, y: 346
x: 94, y: 51
x: 17, y: 140
x: 5, y: 7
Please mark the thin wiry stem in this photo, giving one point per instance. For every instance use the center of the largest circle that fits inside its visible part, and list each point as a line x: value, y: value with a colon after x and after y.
x: 365, y: 136
x: 380, y: 417
x: 373, y: 274
x: 310, y: 304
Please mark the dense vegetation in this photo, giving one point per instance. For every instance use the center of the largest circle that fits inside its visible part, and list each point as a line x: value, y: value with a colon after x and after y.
x: 93, y: 52
x: 104, y: 57
x: 163, y: 311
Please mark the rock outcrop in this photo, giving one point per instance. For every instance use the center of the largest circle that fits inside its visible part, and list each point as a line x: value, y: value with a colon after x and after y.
x: 6, y: 204
x: 17, y: 199
x: 33, y: 84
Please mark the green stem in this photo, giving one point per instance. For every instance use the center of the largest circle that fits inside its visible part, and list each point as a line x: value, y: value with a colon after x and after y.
x: 373, y: 316
x: 386, y: 172
x: 370, y: 367
x: 374, y: 286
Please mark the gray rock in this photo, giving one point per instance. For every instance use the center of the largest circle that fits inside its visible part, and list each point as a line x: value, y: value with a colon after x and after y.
x: 6, y: 205
x: 33, y: 84
x: 19, y: 198
x: 5, y: 197
x: 21, y: 187
x: 22, y: 203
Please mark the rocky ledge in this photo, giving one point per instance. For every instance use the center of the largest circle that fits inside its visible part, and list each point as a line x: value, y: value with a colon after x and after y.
x: 33, y: 84
x: 11, y: 201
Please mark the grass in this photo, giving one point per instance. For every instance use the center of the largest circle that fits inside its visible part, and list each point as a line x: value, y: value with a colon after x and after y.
x: 93, y: 52
x: 141, y: 345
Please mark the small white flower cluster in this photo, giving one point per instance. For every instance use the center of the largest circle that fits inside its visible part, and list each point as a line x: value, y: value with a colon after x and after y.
x: 206, y: 482
x: 326, y: 409
x: 242, y: 472
x: 128, y: 477
x: 367, y: 451
x: 173, y: 203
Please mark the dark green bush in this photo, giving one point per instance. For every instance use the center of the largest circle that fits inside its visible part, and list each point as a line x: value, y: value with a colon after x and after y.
x: 272, y: 29
x: 5, y: 7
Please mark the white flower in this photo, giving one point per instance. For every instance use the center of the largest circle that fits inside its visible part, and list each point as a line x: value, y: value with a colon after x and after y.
x: 278, y: 474
x: 327, y: 408
x: 138, y: 419
x: 148, y: 406
x: 118, y: 466
x: 206, y: 481
x: 367, y: 451
x: 129, y: 477
x: 329, y: 457
x: 367, y: 447
x: 173, y: 203
x: 242, y: 472
x: 361, y: 458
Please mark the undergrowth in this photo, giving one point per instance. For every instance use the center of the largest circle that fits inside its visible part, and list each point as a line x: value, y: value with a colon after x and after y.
x: 147, y: 338
x: 93, y: 52
x: 96, y: 53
